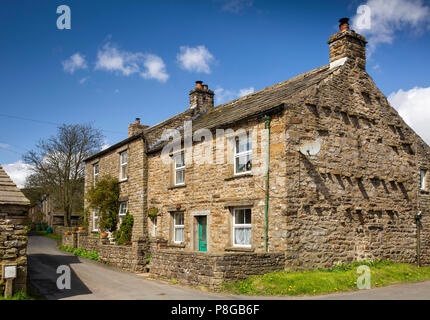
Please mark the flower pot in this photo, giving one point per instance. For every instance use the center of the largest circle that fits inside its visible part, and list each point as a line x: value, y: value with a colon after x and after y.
x: 104, y: 235
x: 67, y: 233
x: 81, y: 229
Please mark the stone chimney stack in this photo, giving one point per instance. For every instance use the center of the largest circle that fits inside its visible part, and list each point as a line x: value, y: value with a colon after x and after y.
x: 136, y: 128
x: 201, y: 96
x: 347, y: 43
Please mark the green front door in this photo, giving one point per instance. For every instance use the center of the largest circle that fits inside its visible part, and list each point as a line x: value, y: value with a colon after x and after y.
x: 203, y: 242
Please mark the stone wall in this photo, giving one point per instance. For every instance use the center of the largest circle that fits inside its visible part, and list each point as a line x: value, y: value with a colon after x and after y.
x: 131, y: 258
x: 13, y: 243
x: 198, y: 268
x: 60, y: 230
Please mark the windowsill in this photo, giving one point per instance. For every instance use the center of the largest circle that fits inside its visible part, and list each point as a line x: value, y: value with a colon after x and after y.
x: 123, y: 180
x: 176, y: 245
x: 238, y: 176
x: 239, y: 249
x: 177, y: 186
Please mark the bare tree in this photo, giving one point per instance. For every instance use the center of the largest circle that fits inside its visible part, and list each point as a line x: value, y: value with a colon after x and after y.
x: 58, y: 165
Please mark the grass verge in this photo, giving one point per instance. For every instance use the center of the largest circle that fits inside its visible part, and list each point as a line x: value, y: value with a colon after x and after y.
x: 336, y: 278
x: 20, y: 295
x: 92, y: 255
x: 48, y: 235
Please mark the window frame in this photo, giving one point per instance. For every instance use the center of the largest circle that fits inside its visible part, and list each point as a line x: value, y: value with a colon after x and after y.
x: 96, y: 216
x: 178, y: 226
x: 122, y: 165
x: 242, y: 226
x: 242, y: 154
x: 177, y: 169
x: 423, y: 178
x: 96, y: 175
x: 122, y: 214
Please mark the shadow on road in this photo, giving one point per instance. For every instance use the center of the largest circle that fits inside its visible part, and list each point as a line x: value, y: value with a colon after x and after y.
x: 42, y: 275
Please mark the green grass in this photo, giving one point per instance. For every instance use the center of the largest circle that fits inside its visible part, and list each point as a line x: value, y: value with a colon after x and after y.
x: 20, y: 295
x: 92, y: 255
x: 335, y: 278
x: 48, y: 235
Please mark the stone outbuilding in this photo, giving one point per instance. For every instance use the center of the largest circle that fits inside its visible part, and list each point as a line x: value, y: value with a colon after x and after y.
x: 316, y: 169
x: 13, y: 236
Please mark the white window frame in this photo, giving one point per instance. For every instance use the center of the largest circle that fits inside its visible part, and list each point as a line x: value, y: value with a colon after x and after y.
x: 178, y: 226
x: 423, y: 177
x: 122, y: 165
x: 96, y: 173
x: 242, y: 226
x: 122, y: 211
x: 96, y: 216
x: 181, y: 168
x: 242, y: 154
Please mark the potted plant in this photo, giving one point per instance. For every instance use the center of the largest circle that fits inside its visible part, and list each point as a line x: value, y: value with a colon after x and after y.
x: 81, y: 229
x: 74, y: 229
x: 67, y: 233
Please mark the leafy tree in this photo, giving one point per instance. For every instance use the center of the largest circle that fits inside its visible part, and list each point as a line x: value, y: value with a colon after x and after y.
x: 58, y: 165
x: 105, y: 197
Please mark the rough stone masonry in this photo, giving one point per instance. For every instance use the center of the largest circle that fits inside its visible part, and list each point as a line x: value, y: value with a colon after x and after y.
x: 13, y: 235
x: 355, y: 198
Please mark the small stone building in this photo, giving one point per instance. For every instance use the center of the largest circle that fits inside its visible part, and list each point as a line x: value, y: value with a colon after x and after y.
x: 13, y: 234
x: 316, y: 169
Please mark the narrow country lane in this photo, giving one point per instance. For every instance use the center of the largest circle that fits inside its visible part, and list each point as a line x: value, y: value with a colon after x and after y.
x: 92, y: 280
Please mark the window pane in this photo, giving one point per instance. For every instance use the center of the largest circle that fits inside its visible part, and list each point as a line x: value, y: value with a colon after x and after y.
x: 247, y: 213
x: 243, y: 143
x: 179, y: 219
x: 244, y: 163
x: 180, y: 175
x: 124, y: 171
x: 124, y: 157
x: 179, y: 160
x: 242, y: 236
x: 179, y: 235
x: 239, y: 216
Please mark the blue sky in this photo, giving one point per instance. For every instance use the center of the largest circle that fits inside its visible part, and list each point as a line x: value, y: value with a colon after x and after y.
x: 54, y: 76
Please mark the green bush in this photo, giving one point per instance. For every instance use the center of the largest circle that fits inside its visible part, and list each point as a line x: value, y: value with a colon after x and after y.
x: 123, y: 235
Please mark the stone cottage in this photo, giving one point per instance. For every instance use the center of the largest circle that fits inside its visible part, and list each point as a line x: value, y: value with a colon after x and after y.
x: 312, y: 170
x: 13, y: 236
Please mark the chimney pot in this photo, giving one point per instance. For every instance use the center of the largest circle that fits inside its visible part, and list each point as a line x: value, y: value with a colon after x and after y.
x: 205, y: 87
x: 137, y: 121
x: 343, y: 24
x: 199, y: 84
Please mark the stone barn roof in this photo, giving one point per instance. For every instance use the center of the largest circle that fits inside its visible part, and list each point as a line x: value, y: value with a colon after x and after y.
x: 9, y: 192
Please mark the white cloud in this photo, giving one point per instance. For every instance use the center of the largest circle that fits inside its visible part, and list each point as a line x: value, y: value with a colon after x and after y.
x: 155, y: 68
x: 75, y: 62
x: 414, y: 106
x: 4, y: 145
x: 83, y: 80
x: 196, y: 59
x: 236, y: 6
x: 390, y: 16
x: 222, y: 95
x: 245, y: 91
x: 105, y: 145
x: 149, y: 66
x: 18, y: 172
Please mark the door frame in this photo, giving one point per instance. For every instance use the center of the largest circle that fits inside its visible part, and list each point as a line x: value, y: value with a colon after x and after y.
x: 195, y: 229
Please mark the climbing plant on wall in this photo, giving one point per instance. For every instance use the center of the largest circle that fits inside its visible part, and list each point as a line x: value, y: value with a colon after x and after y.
x: 105, y: 197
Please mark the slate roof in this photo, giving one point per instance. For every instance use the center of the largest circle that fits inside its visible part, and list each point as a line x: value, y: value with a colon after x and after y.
x: 9, y: 192
x: 233, y: 111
